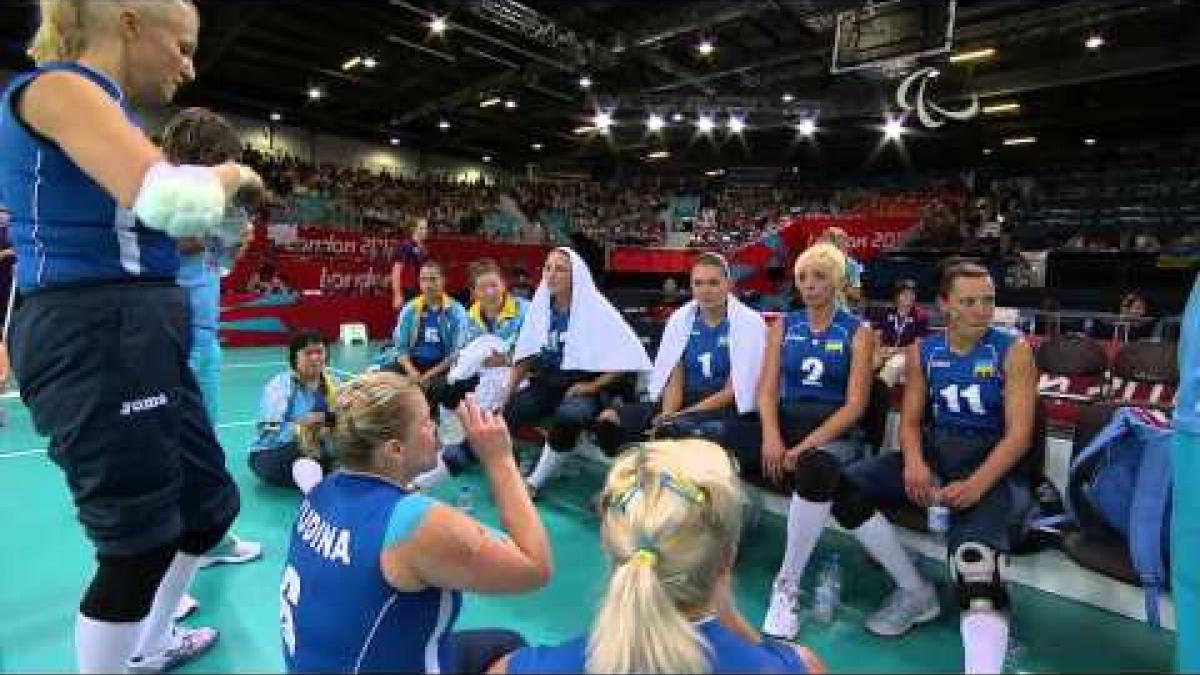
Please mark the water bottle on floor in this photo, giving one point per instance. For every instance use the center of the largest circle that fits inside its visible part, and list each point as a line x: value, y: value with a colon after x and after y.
x: 466, y: 500
x: 828, y: 594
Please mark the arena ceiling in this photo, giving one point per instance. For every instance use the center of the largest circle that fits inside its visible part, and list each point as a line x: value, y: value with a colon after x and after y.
x: 770, y: 67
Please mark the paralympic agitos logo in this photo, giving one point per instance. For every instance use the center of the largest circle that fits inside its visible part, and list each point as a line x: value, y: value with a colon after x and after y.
x: 920, y: 98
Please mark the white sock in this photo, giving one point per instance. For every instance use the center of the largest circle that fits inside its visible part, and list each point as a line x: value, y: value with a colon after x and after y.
x: 806, y: 520
x: 158, y: 625
x: 434, y: 476
x: 307, y: 473
x: 985, y: 641
x: 104, y: 647
x: 547, y: 467
x: 878, y: 536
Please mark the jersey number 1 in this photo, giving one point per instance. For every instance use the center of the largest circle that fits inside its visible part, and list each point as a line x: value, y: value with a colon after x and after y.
x: 971, y: 394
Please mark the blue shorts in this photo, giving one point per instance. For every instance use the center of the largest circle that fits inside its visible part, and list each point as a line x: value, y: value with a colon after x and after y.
x: 998, y: 520
x: 104, y: 372
x: 796, y: 421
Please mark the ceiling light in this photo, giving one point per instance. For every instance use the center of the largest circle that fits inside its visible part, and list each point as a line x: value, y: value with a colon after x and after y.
x: 437, y: 25
x: 658, y: 154
x: 510, y: 104
x: 893, y: 128
x: 1020, y: 140
x: 995, y: 108
x: 714, y: 172
x: 974, y: 55
x: 787, y: 98
x: 394, y: 141
x: 603, y: 120
x: 1089, y: 141
x: 369, y: 62
x: 352, y: 62
x: 655, y: 122
x: 807, y: 126
x: 587, y: 129
x: 315, y: 93
x: 536, y: 147
x: 987, y: 151
x: 677, y: 117
x: 585, y: 82
x: 1094, y: 42
x: 705, y: 48
x: 487, y: 159
x: 489, y: 102
x: 275, y: 117
x: 736, y: 125
x: 705, y: 124
x: 443, y: 124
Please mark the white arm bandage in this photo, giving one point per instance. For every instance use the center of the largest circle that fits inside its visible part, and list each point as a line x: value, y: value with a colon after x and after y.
x: 182, y: 201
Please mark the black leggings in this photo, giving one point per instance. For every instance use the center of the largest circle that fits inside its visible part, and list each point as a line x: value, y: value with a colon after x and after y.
x: 274, y: 465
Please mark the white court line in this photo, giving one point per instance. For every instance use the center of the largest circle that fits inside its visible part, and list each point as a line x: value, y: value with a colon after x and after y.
x: 40, y: 451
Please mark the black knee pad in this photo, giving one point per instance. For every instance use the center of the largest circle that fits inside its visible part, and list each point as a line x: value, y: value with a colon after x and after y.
x: 124, y: 586
x: 851, y: 508
x: 609, y: 436
x: 816, y: 476
x: 562, y: 436
x: 977, y: 578
x: 199, y: 543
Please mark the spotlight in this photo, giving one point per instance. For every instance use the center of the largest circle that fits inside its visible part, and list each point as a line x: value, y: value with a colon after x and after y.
x: 369, y: 62
x: 677, y: 117
x: 536, y: 147
x: 987, y: 151
x: 394, y: 141
x: 996, y: 108
x: 487, y: 159
x: 352, y: 62
x: 893, y: 128
x: 705, y: 124
x: 658, y: 154
x: 489, y: 102
x: 787, y: 98
x: 1094, y: 42
x: 1020, y: 140
x: 584, y: 130
x: 510, y: 104
x: 655, y: 122
x: 736, y: 125
x: 706, y: 48
x: 437, y: 25
x: 275, y: 117
x: 315, y: 93
x: 974, y: 55
x: 443, y: 124
x: 807, y: 126
x: 1089, y: 141
x: 585, y: 82
x: 602, y: 121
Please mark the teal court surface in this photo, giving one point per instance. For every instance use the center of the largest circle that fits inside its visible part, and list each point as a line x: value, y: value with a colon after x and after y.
x: 45, y: 562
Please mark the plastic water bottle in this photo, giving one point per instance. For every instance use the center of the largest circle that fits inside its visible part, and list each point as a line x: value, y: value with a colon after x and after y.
x: 828, y: 594
x: 466, y: 500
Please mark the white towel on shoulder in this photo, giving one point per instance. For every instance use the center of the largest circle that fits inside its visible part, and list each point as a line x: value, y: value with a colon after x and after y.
x: 598, y: 339
x: 747, y: 340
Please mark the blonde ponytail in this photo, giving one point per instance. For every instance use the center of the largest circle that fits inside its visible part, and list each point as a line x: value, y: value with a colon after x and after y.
x: 60, y: 36
x: 672, y: 519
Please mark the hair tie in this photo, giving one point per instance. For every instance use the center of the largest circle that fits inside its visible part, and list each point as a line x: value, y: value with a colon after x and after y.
x: 645, y: 556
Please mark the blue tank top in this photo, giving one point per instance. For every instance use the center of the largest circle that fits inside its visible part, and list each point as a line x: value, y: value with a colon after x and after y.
x: 429, y: 348
x: 200, y: 276
x: 966, y: 392
x: 816, y: 366
x: 1187, y: 399
x: 551, y: 355
x: 65, y: 228
x: 705, y: 360
x: 338, y: 613
x: 732, y: 654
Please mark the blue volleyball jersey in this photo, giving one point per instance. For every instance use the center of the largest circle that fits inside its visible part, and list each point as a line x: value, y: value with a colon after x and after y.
x: 338, y: 613
x: 816, y: 366
x: 705, y: 359
x: 66, y: 229
x: 551, y: 355
x: 429, y: 348
x: 731, y: 653
x: 966, y: 392
x: 1187, y: 400
x: 200, y: 275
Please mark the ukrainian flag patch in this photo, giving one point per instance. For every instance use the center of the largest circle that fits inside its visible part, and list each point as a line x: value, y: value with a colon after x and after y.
x: 985, y: 369
x: 834, y: 346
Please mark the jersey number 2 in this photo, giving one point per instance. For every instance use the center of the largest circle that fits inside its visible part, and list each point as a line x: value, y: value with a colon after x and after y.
x: 813, y: 370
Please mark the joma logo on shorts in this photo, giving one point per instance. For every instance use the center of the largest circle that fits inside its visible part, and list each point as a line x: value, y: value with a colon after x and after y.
x: 143, y: 404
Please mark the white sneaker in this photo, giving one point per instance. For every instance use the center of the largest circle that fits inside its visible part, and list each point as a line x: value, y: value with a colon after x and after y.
x: 187, y: 605
x: 231, y: 551
x: 186, y: 644
x: 781, y: 621
x: 903, y: 610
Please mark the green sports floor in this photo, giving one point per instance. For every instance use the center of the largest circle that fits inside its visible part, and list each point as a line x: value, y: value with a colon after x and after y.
x: 45, y: 562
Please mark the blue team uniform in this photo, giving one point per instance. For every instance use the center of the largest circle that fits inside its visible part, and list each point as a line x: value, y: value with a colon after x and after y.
x: 429, y: 349
x: 731, y: 653
x: 359, y: 623
x: 815, y: 367
x: 705, y: 360
x: 966, y: 392
x: 551, y: 355
x: 99, y: 293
